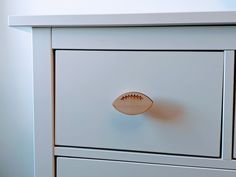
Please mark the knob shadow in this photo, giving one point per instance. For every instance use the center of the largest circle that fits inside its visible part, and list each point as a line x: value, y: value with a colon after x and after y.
x: 165, y: 111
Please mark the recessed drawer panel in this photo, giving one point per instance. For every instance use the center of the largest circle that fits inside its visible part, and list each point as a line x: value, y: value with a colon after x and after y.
x: 97, y: 168
x: 185, y: 89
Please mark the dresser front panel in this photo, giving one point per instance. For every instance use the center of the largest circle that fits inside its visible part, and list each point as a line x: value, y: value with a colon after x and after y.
x: 186, y: 88
x: 146, y: 38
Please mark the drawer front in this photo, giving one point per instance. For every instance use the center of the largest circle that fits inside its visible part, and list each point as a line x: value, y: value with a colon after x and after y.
x: 71, y: 167
x: 234, y: 136
x: 186, y: 89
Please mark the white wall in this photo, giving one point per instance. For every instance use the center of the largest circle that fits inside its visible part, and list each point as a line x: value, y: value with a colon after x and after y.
x: 16, y: 101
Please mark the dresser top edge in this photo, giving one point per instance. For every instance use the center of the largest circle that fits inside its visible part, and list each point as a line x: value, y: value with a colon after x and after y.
x: 144, y: 19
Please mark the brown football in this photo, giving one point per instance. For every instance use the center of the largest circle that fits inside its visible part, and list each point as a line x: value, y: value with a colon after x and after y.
x: 132, y: 103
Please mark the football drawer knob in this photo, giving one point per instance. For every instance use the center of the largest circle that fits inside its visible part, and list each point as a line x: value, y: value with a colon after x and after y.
x: 132, y: 103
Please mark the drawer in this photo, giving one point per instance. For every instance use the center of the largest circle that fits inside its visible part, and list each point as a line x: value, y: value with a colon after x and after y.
x: 185, y: 88
x: 234, y: 136
x: 96, y: 168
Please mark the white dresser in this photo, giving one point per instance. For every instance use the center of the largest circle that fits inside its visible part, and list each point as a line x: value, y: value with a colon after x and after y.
x: 134, y: 95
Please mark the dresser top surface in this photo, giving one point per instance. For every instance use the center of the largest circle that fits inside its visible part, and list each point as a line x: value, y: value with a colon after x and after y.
x: 145, y: 19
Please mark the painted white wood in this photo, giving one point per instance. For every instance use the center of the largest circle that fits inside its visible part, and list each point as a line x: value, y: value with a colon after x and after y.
x: 234, y: 138
x: 145, y: 157
x: 146, y: 38
x: 186, y: 88
x: 228, y: 99
x: 43, y: 103
x: 93, y: 168
x: 157, y: 19
x: 199, y: 86
x: 234, y: 144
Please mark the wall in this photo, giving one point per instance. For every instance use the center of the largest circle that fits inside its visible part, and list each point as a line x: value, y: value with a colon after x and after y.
x: 16, y: 89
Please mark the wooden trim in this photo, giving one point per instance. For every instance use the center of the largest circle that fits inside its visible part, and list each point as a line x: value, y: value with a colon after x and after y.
x: 144, y: 157
x: 228, y: 99
x: 146, y: 38
x: 43, y: 103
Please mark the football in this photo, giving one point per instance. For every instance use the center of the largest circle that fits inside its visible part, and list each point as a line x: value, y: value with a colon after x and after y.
x: 132, y: 103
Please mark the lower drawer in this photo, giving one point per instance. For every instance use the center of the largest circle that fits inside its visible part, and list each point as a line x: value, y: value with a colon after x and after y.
x: 235, y: 137
x: 72, y: 167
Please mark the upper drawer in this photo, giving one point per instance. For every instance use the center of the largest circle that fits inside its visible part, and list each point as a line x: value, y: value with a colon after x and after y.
x: 186, y: 89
